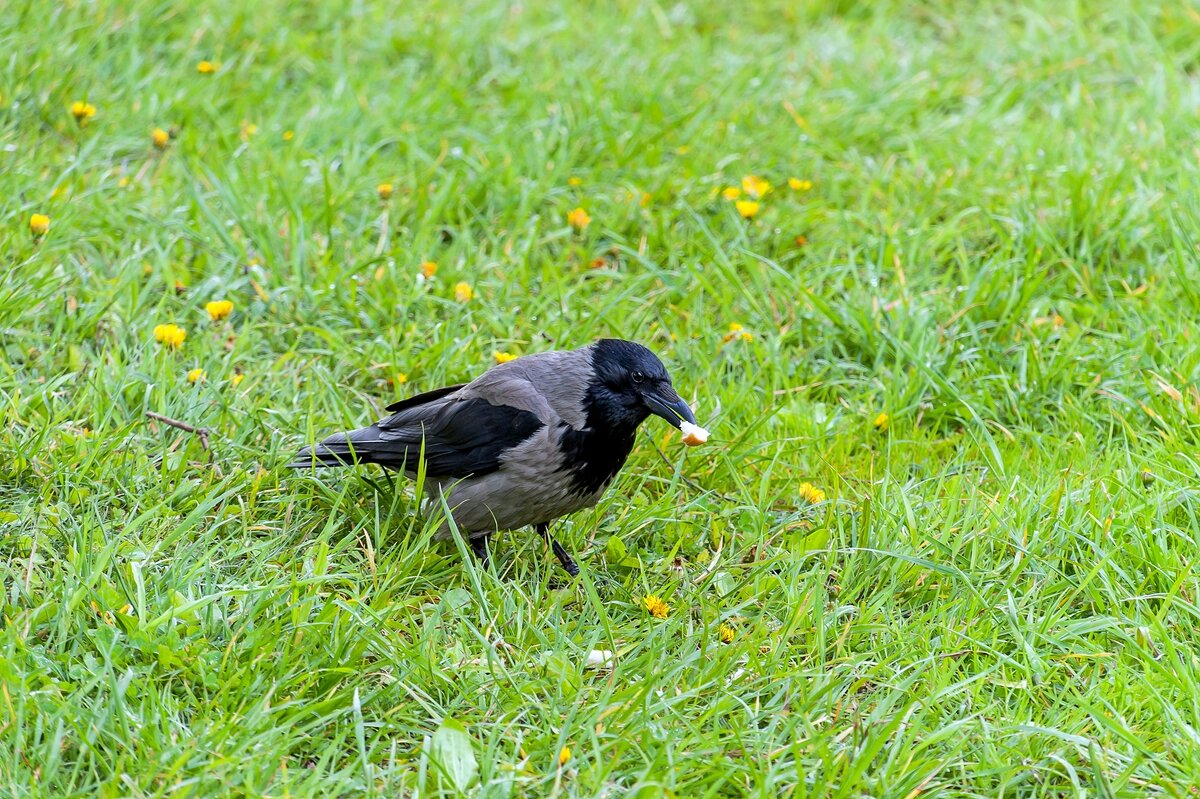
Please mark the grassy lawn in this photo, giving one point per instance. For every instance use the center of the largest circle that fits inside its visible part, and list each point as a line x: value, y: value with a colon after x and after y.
x: 981, y: 222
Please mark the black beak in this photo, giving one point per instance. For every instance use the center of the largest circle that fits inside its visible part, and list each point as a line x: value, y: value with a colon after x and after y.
x: 671, y: 408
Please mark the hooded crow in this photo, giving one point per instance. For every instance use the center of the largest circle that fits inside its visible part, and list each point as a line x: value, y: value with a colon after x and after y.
x: 526, y: 442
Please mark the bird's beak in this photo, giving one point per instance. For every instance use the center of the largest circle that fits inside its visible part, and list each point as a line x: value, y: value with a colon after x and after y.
x: 671, y: 408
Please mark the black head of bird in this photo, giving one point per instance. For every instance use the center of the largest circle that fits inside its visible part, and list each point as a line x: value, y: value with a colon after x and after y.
x: 525, y: 443
x: 630, y: 384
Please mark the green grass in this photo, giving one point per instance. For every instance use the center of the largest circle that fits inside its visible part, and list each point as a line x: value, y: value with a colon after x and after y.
x: 999, y: 595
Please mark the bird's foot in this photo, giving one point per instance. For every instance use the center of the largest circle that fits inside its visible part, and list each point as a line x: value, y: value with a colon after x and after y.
x: 479, y: 545
x: 564, y: 557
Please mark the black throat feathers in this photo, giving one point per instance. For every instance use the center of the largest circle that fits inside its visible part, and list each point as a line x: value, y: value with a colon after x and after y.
x: 593, y: 457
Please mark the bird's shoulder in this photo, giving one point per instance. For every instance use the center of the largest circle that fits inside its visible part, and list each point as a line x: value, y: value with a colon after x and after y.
x: 510, y: 391
x: 460, y: 433
x: 551, y: 385
x: 468, y: 409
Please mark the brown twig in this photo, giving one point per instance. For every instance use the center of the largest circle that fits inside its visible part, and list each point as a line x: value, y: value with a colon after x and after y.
x: 184, y: 426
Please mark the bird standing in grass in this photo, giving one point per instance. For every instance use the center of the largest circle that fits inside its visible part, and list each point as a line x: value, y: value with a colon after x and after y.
x: 530, y: 440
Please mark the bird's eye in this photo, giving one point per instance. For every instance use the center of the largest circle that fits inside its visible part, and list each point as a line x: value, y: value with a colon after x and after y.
x: 638, y: 377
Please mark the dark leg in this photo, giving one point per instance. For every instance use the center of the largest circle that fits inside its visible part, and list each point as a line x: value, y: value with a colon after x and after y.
x: 563, y: 556
x: 480, y: 548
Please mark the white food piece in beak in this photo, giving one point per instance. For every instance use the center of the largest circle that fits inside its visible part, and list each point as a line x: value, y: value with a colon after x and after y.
x: 693, y: 434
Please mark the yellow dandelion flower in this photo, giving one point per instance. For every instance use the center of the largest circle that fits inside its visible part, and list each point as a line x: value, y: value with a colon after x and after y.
x: 463, y: 292
x: 881, y: 422
x: 384, y: 190
x: 160, y: 138
x: 726, y: 634
x: 83, y: 112
x: 655, y: 606
x: 170, y: 336
x: 288, y: 135
x: 579, y: 219
x: 756, y: 187
x: 731, y: 193
x: 738, y: 332
x: 574, y: 181
x: 644, y: 200
x: 39, y: 224
x: 428, y: 269
x: 747, y: 208
x: 796, y: 184
x: 219, y: 309
x: 564, y: 755
x: 810, y: 493
x: 503, y: 357
x: 400, y: 378
x: 195, y: 375
x: 247, y: 130
x: 207, y: 67
x: 237, y: 379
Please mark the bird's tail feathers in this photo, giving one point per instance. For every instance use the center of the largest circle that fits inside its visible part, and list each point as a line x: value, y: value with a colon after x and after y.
x: 340, y: 449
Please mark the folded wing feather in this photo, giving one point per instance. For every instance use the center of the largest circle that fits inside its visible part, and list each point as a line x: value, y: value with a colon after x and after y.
x: 465, y: 430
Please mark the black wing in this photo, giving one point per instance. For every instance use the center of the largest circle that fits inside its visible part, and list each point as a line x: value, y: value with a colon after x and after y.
x: 460, y: 438
x: 464, y: 438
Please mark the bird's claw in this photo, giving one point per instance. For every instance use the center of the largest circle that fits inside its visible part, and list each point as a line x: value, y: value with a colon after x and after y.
x: 564, y: 558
